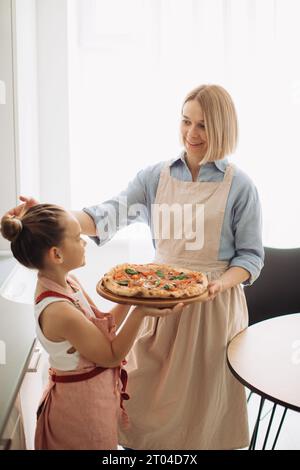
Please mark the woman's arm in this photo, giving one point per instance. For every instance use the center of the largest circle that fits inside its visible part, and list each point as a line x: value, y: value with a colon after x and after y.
x: 126, y: 208
x: 86, y: 223
x: 232, y: 277
x: 247, y: 230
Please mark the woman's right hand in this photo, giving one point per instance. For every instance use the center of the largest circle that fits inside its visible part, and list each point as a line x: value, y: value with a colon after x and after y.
x: 158, y: 312
x: 21, y: 209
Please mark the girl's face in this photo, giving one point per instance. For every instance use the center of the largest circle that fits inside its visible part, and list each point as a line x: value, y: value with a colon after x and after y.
x: 73, y: 246
x: 193, y: 131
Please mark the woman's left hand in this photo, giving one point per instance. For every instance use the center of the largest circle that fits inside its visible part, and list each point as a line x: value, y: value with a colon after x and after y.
x: 214, y: 288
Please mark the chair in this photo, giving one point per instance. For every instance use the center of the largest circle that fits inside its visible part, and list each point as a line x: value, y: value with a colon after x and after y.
x: 277, y: 290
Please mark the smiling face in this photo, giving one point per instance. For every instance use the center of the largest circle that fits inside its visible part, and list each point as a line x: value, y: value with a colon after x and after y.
x: 193, y: 132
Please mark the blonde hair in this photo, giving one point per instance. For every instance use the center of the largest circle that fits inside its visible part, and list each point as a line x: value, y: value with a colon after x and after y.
x: 220, y: 120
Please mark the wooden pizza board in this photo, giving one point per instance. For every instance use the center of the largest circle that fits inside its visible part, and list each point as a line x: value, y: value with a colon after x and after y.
x: 159, y: 303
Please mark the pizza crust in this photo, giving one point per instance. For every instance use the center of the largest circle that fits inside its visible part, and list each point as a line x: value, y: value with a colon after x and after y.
x: 147, y: 284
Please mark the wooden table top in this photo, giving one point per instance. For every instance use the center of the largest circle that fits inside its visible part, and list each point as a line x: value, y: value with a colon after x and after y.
x: 266, y: 358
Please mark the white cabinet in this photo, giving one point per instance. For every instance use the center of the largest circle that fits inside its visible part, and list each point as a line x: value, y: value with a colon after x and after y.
x: 20, y: 428
x: 13, y: 437
x: 25, y: 370
x: 31, y: 391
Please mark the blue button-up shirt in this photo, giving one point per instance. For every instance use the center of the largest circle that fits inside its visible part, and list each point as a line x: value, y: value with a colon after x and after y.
x: 241, y: 236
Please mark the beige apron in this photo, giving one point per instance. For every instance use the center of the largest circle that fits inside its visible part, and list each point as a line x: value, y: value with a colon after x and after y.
x: 183, y: 395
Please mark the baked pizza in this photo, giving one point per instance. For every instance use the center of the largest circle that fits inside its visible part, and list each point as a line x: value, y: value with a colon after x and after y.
x: 159, y: 281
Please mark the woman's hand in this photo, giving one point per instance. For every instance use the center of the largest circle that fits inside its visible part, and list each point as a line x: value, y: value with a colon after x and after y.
x: 21, y: 209
x: 158, y: 312
x: 214, y: 288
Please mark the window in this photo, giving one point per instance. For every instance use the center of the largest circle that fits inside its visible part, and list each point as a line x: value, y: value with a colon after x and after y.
x: 132, y: 64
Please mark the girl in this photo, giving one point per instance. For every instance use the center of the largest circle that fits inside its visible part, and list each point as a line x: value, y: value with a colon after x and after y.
x: 80, y: 406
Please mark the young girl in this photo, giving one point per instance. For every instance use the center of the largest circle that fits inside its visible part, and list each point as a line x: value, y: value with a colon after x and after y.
x: 80, y: 406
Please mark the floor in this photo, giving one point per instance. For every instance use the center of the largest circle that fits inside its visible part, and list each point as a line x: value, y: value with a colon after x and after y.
x: 289, y: 438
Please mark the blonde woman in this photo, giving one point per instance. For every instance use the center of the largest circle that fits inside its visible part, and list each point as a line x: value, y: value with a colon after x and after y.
x: 183, y: 395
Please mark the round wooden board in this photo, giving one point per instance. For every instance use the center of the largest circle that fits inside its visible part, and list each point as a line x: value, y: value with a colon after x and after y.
x: 159, y: 303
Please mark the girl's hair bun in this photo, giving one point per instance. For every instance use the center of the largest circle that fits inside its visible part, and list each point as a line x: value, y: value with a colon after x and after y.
x: 11, y: 227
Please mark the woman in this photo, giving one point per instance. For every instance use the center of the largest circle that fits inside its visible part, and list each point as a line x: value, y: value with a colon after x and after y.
x: 183, y: 395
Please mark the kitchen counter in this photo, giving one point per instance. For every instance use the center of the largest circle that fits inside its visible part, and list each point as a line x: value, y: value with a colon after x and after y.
x: 17, y: 331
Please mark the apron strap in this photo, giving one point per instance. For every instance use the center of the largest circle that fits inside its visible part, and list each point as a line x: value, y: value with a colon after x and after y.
x: 228, y: 173
x: 51, y: 293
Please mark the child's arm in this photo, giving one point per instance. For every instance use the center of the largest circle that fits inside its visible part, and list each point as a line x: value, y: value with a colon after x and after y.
x: 119, y: 312
x: 62, y: 320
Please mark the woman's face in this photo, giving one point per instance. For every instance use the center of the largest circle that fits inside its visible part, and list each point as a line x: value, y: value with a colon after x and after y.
x: 193, y: 131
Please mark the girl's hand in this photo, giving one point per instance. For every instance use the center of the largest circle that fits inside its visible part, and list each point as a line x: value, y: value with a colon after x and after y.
x: 214, y: 288
x: 21, y: 209
x: 158, y: 312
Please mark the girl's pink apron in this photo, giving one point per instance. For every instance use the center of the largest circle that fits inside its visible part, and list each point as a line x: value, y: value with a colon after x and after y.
x: 183, y: 395
x: 80, y: 408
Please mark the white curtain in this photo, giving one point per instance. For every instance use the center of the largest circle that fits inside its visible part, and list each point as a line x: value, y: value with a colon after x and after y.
x: 132, y: 63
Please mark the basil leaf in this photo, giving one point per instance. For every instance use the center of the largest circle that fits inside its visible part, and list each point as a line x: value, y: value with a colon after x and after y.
x: 160, y: 274
x: 157, y: 283
x: 167, y: 287
x: 123, y: 283
x: 180, y: 277
x: 130, y: 271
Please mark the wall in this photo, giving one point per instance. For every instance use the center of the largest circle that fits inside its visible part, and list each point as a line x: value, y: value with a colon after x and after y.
x: 52, y: 54
x: 8, y: 180
x: 19, y: 114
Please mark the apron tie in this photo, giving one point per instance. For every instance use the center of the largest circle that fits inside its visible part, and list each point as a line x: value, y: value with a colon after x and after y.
x: 75, y: 377
x: 123, y: 394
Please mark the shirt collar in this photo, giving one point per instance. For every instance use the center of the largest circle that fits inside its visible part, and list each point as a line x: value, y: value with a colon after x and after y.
x: 220, y: 164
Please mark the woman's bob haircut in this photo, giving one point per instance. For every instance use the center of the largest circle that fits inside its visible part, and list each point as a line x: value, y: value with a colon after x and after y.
x: 220, y: 120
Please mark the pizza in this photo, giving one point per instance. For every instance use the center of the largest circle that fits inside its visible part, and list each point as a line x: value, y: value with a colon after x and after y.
x: 154, y: 280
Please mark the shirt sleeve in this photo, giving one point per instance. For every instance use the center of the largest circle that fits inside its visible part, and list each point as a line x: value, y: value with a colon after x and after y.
x: 127, y: 207
x: 247, y: 229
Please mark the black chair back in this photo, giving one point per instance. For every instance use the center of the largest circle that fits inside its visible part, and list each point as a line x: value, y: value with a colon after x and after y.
x: 277, y: 290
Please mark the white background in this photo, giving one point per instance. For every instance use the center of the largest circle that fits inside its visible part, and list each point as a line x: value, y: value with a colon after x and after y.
x: 98, y: 89
x: 133, y: 62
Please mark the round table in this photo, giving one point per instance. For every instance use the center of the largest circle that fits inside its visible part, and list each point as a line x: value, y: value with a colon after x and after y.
x: 266, y: 358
